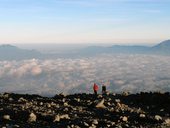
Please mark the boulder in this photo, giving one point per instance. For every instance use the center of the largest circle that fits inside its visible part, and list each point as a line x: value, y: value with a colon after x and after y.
x: 32, y: 118
x: 101, y: 105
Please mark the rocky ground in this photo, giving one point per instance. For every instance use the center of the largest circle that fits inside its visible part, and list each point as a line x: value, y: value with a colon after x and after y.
x: 144, y: 110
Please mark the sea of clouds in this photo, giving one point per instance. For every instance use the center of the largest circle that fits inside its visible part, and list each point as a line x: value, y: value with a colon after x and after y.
x: 133, y: 73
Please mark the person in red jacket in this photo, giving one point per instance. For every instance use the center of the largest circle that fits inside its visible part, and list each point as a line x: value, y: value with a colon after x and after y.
x: 95, y: 88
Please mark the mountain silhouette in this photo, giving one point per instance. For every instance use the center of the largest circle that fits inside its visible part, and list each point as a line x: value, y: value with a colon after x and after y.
x: 162, y: 48
x: 10, y: 52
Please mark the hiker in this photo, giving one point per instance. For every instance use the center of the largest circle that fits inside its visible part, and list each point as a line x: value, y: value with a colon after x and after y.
x: 103, y: 89
x: 95, y: 88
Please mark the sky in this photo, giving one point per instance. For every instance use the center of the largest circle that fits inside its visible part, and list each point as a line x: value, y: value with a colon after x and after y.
x: 84, y: 21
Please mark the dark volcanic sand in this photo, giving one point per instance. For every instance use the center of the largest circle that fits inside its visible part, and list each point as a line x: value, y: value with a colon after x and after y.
x: 144, y: 110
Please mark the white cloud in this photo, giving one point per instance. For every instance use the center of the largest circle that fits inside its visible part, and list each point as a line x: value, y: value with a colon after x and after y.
x: 120, y: 73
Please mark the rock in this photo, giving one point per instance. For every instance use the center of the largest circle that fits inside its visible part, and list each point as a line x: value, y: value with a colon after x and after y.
x: 66, y: 104
x: 167, y: 122
x: 109, y: 103
x: 142, y: 116
x: 86, y: 124
x: 65, y: 116
x: 41, y: 103
x: 22, y: 100
x: 125, y: 93
x: 99, y: 96
x: 6, y: 117
x: 10, y: 99
x: 119, y: 105
x: 6, y: 95
x: 158, y: 118
x: 124, y: 118
x: 16, y: 126
x: 117, y: 100
x: 32, y: 118
x: 57, y: 118
x: 101, y: 105
x: 95, y: 122
x: 53, y: 104
x: 48, y: 105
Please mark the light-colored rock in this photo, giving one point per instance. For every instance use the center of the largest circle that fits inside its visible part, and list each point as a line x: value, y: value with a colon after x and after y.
x: 41, y: 103
x: 53, y: 104
x: 10, y: 99
x: 158, y: 118
x: 119, y: 105
x: 86, y: 124
x: 16, y: 126
x: 99, y: 96
x: 66, y: 104
x: 117, y: 100
x: 95, y: 122
x: 6, y: 117
x: 167, y: 122
x: 32, y: 118
x: 22, y: 100
x: 101, y: 105
x: 6, y: 95
x: 124, y: 118
x: 57, y: 118
x: 142, y: 116
x: 48, y: 105
x: 65, y: 116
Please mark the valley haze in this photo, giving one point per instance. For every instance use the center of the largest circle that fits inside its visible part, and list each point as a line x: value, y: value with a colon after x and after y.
x: 120, y: 68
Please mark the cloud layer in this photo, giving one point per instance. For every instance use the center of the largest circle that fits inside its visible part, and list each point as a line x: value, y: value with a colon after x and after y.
x: 132, y: 73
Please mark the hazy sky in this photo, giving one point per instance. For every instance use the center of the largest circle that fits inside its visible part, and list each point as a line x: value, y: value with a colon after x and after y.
x: 84, y: 21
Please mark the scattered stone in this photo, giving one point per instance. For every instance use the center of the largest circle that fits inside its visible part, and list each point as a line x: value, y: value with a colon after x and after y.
x: 167, y: 122
x: 6, y: 117
x: 10, y: 99
x: 158, y: 118
x: 117, y: 100
x: 32, y: 118
x: 124, y: 118
x: 101, y: 105
x: 41, y: 103
x: 66, y: 104
x: 22, y: 100
x: 49, y: 105
x: 65, y: 116
x: 95, y: 122
x: 16, y: 126
x: 86, y: 124
x: 142, y: 116
x: 120, y: 111
x: 99, y: 96
x: 57, y: 118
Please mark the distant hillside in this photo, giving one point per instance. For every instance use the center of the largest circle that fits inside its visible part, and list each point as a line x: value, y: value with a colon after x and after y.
x: 162, y: 48
x: 9, y: 52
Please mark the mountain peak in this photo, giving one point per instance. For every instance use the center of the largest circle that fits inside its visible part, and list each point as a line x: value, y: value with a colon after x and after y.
x: 163, y: 45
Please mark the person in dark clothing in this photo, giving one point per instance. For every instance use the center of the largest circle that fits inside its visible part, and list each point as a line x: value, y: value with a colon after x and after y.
x: 103, y: 89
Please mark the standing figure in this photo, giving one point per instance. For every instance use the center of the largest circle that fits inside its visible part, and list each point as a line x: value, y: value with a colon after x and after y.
x: 95, y: 88
x: 103, y: 89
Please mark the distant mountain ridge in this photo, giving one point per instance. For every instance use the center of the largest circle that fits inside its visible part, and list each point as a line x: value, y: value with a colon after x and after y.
x: 10, y: 52
x: 162, y: 48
